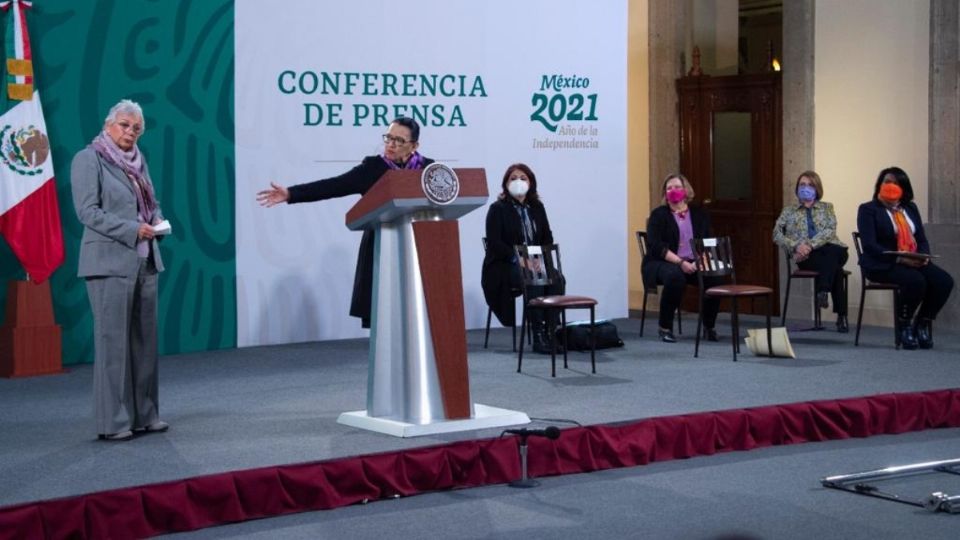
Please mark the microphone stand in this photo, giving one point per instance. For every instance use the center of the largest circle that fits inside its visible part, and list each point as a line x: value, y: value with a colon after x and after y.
x: 524, y: 481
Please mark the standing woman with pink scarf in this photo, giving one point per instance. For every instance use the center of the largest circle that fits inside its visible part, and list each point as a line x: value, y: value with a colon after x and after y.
x: 120, y: 259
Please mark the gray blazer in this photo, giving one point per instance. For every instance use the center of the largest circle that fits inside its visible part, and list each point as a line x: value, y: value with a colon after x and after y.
x: 106, y: 204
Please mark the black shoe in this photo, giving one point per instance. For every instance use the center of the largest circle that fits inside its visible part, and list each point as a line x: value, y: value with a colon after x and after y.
x: 666, y: 336
x: 823, y: 299
x: 842, y: 325
x: 541, y: 344
x: 924, y: 332
x: 710, y: 334
x: 908, y: 338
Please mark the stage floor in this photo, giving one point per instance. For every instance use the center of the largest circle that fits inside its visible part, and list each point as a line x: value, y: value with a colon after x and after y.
x: 253, y: 407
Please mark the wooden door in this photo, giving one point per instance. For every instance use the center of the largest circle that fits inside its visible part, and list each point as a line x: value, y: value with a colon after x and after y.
x: 731, y: 151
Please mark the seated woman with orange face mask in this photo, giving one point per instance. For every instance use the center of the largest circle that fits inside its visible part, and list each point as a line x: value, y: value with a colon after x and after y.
x: 891, y: 223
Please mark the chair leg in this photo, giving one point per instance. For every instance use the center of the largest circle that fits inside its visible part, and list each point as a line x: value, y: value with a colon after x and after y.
x: 593, y: 343
x: 552, y: 329
x: 643, y: 312
x: 523, y: 329
x: 863, y: 293
x: 896, y: 319
x: 769, y: 336
x: 563, y: 332
x: 786, y: 301
x: 486, y: 336
x: 735, y: 331
x: 679, y: 322
x: 696, y: 348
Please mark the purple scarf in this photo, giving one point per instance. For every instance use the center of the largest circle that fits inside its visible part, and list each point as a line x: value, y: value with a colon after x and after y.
x: 131, y: 163
x: 415, y: 162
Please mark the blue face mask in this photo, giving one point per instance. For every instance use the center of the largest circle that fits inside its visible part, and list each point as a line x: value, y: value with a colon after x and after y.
x: 807, y: 193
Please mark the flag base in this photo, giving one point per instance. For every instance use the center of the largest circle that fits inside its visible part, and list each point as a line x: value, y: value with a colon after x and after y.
x: 29, y: 339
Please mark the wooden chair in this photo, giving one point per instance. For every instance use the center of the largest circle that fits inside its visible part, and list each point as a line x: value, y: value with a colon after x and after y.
x: 714, y: 258
x: 650, y: 288
x: 513, y: 329
x: 867, y: 285
x: 798, y: 273
x: 541, y: 266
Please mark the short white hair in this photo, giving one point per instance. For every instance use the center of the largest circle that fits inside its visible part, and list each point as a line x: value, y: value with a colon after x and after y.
x: 124, y: 106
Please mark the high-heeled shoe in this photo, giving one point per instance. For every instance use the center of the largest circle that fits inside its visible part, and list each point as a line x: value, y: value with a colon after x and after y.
x: 923, y: 328
x: 842, y: 325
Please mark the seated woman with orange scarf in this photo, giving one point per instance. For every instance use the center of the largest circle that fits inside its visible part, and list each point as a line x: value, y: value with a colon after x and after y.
x: 889, y: 223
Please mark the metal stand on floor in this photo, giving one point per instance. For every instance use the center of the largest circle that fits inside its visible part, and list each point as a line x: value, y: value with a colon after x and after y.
x: 935, y: 502
x: 550, y: 432
x: 524, y: 481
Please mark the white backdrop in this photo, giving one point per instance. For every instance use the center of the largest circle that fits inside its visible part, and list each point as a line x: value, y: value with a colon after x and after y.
x: 295, y: 263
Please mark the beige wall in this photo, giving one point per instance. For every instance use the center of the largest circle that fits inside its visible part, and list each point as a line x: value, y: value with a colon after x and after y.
x: 638, y: 140
x: 871, y: 96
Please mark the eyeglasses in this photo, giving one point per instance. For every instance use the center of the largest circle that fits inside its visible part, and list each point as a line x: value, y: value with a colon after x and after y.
x: 134, y: 128
x: 399, y: 141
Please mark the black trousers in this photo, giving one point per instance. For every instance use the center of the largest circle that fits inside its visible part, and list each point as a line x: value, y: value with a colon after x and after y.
x: 828, y: 261
x: 674, y: 281
x: 927, y: 287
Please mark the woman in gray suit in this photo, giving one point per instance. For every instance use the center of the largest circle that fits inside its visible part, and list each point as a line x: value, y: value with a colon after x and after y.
x: 119, y: 258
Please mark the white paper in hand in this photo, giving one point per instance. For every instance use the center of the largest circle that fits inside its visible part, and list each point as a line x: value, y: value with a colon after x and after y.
x: 162, y: 228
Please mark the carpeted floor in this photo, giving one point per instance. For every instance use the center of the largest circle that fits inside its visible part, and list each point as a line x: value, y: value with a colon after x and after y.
x: 261, y: 406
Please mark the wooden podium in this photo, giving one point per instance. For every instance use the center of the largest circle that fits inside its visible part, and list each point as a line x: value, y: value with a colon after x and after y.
x: 29, y: 337
x: 418, y: 380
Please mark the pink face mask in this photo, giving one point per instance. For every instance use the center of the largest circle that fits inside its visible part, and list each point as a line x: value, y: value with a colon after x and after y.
x: 676, y: 196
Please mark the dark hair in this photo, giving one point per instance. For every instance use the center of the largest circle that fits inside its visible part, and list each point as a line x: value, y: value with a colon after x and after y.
x: 410, y: 124
x: 902, y: 180
x: 531, y: 194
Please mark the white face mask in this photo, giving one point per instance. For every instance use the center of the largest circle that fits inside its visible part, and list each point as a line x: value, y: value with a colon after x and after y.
x: 518, y: 187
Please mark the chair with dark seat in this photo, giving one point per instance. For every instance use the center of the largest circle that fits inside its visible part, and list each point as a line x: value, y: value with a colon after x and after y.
x: 650, y: 288
x: 799, y: 273
x: 486, y: 335
x: 540, y: 266
x: 714, y: 258
x: 867, y: 285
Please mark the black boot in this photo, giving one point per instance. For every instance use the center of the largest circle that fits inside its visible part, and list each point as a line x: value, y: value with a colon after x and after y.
x: 842, y: 326
x: 541, y: 340
x: 923, y: 328
x: 908, y: 339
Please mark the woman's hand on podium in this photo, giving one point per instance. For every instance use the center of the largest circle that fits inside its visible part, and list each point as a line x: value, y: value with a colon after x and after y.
x: 275, y: 195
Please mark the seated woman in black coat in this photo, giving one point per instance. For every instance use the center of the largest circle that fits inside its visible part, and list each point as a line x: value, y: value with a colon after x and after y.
x: 517, y: 217
x: 670, y: 260
x: 891, y: 222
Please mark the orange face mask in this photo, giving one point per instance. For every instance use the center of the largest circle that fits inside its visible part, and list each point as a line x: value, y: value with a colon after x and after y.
x: 890, y: 193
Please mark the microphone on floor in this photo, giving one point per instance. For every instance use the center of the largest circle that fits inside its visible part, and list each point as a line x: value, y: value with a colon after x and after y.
x: 550, y: 432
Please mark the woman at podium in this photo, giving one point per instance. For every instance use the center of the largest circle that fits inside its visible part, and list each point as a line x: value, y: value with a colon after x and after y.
x: 896, y: 250
x: 517, y: 217
x: 400, y: 144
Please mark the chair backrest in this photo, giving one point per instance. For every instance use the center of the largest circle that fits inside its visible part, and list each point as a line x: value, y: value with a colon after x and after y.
x: 539, y: 265
x: 858, y: 246
x: 714, y: 257
x: 642, y: 242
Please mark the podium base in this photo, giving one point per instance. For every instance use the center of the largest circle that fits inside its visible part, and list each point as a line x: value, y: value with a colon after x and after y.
x: 483, y: 417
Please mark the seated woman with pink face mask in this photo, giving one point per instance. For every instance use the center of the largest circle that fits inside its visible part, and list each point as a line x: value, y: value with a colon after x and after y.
x: 670, y: 260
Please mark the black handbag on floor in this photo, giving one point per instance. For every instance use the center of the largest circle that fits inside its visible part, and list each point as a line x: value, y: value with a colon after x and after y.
x: 577, y: 336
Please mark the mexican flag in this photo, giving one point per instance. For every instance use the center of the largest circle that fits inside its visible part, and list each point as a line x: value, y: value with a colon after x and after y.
x: 29, y: 213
